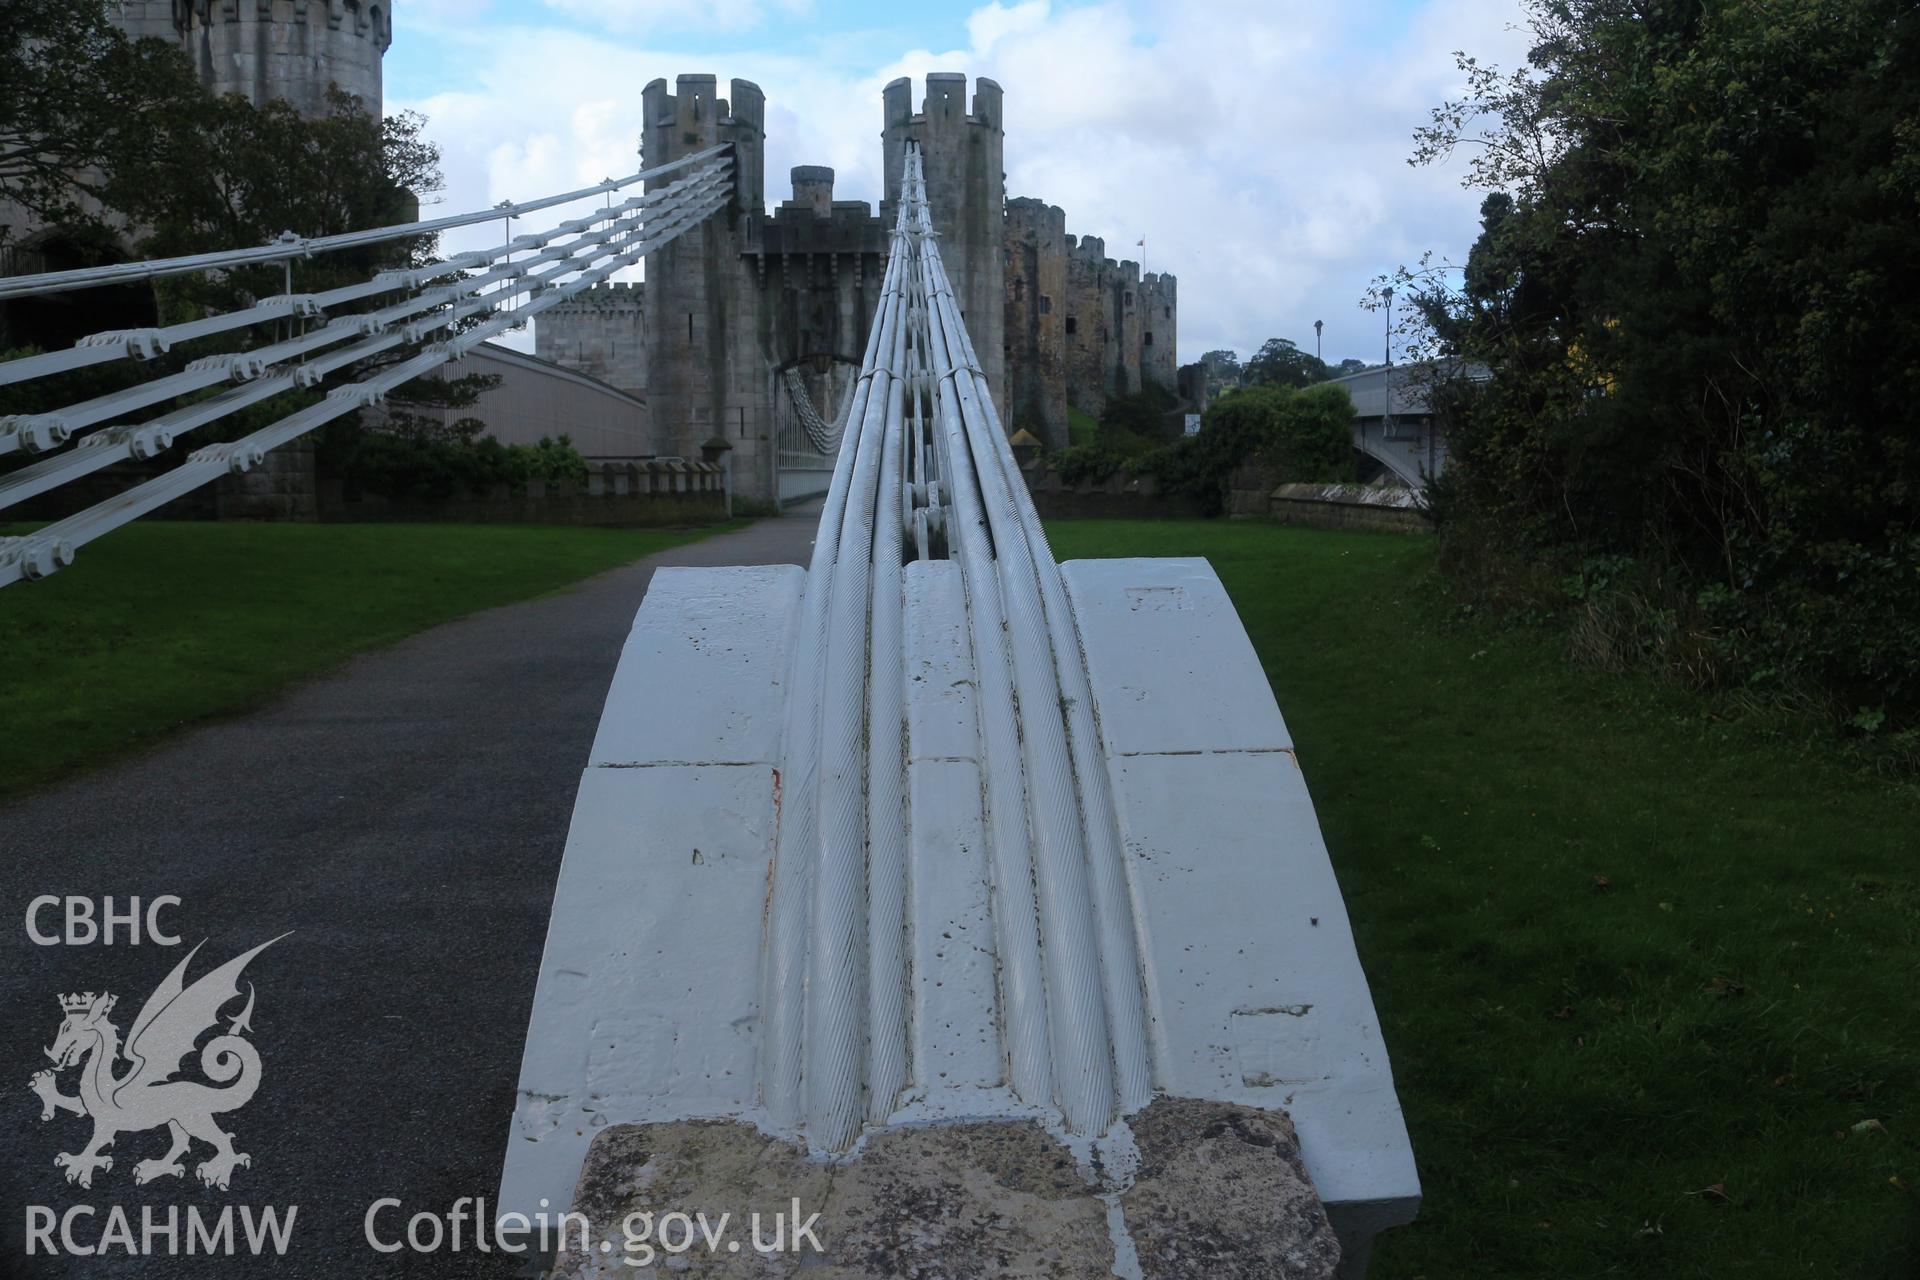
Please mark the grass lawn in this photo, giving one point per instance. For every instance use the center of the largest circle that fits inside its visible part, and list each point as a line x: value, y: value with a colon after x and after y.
x: 164, y: 623
x: 1082, y: 427
x: 1650, y: 981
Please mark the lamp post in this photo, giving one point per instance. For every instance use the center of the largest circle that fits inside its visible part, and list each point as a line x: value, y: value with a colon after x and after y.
x: 1318, y: 325
x: 1389, y: 295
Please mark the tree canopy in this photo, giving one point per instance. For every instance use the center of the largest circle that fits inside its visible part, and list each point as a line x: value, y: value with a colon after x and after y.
x: 1281, y: 363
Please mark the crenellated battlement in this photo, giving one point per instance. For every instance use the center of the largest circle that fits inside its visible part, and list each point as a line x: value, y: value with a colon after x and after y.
x: 695, y: 117
x: 620, y: 295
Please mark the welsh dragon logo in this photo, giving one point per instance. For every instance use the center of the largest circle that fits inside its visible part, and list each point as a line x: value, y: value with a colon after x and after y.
x: 145, y: 1095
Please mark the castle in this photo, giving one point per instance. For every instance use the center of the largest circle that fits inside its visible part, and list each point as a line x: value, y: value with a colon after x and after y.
x: 742, y: 319
x: 288, y: 49
x: 758, y: 319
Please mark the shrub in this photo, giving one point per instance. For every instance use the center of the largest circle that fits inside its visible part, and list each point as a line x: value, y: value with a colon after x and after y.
x: 402, y: 466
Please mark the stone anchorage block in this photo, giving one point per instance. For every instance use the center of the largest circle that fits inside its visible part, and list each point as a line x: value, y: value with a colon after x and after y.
x: 1273, y: 1144
x: 1217, y: 1190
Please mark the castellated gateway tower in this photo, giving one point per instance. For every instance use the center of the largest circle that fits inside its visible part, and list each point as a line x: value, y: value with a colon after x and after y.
x: 966, y: 193
x: 756, y: 320
x: 265, y: 49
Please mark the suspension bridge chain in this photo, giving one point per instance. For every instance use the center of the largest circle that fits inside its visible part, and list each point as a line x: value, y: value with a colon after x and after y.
x: 536, y: 271
x: 822, y: 436
x: 924, y: 471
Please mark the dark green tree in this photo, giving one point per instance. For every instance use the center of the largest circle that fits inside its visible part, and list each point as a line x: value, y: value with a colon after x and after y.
x: 79, y: 101
x: 1692, y: 285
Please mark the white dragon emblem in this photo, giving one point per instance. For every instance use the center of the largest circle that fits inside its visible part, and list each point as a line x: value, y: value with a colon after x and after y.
x: 145, y: 1095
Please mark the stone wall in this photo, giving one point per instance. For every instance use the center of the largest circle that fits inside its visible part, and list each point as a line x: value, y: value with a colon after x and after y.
x: 644, y: 493
x: 1386, y: 508
x: 291, y: 485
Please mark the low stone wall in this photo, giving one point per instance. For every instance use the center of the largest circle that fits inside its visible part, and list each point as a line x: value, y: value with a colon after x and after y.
x: 653, y: 492
x: 1338, y: 506
x: 291, y: 485
x: 1121, y: 496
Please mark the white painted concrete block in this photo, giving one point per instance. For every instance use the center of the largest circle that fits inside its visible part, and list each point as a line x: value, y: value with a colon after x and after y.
x: 700, y: 678
x: 647, y: 1005
x: 1255, y: 988
x: 1178, y: 667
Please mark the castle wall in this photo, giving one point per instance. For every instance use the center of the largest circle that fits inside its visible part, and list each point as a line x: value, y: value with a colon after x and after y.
x: 601, y: 332
x: 266, y: 49
x: 1112, y: 310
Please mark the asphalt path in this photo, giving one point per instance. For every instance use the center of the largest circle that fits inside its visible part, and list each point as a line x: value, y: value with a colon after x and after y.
x: 403, y: 817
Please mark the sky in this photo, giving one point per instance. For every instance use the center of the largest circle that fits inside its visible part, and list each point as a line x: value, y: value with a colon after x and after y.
x: 1259, y: 147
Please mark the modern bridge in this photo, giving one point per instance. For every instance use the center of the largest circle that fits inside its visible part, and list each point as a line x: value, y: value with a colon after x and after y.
x: 1394, y: 425
x: 935, y: 833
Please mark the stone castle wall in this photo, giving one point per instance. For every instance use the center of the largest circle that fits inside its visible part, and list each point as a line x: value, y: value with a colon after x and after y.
x: 602, y: 332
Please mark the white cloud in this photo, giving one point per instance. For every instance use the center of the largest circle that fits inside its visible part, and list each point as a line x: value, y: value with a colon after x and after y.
x: 1260, y: 149
x: 986, y: 26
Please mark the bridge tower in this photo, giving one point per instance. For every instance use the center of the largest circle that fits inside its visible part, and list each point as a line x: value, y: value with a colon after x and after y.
x: 963, y: 153
x: 265, y: 49
x: 707, y: 378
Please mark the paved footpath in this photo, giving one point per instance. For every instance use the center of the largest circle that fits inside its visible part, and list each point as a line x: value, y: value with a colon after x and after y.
x: 404, y: 817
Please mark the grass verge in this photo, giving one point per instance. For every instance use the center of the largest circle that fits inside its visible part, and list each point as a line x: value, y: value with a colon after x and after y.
x: 1647, y: 977
x: 165, y: 623
x: 1082, y: 427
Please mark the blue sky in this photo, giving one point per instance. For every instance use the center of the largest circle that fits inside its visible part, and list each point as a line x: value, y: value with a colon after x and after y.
x: 1258, y: 146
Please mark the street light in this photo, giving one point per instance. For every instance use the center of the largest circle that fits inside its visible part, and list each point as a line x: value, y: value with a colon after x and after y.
x: 1318, y: 325
x: 1389, y: 295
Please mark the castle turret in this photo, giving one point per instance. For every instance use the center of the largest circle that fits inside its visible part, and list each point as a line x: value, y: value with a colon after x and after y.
x: 1036, y: 312
x: 293, y: 50
x: 966, y: 194
x: 1159, y: 330
x: 813, y: 189
x: 707, y: 370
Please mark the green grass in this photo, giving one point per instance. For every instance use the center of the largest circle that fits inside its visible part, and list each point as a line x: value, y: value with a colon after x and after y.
x: 1701, y: 1066
x: 165, y: 623
x: 1082, y: 427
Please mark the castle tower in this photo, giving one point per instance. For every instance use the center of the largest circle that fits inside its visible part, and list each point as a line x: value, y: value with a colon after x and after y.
x: 1159, y: 330
x: 707, y: 370
x: 966, y: 192
x: 265, y: 49
x: 1036, y: 312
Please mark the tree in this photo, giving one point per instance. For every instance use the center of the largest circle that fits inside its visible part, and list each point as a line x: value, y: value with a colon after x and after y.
x: 1280, y: 363
x: 115, y: 143
x: 1222, y: 371
x: 78, y: 101
x: 1691, y: 287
